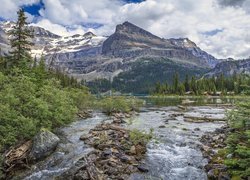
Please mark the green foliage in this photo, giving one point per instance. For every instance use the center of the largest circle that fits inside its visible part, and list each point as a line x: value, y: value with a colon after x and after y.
x: 142, y: 137
x: 238, y: 142
x: 82, y: 98
x: 32, y: 96
x: 1, y: 167
x: 238, y: 84
x: 26, y: 106
x: 119, y: 104
x: 99, y: 85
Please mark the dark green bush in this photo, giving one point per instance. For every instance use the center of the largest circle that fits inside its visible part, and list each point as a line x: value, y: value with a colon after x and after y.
x: 239, y: 141
x: 26, y: 106
x: 119, y: 104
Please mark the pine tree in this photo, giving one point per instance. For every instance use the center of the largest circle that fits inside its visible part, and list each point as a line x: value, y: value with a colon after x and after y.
x: 157, y: 87
x: 186, y: 83
x: 20, y: 41
x: 193, y: 84
x: 2, y: 61
x: 176, y: 82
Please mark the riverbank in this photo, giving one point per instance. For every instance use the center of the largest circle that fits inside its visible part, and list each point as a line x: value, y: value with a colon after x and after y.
x: 18, y: 156
x: 213, y: 149
x: 173, y: 153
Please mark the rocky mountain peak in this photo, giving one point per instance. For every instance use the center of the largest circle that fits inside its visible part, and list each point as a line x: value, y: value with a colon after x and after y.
x: 89, y: 34
x: 41, y: 32
x: 129, y: 28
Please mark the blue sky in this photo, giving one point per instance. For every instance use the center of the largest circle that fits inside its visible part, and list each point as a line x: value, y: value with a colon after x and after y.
x: 220, y: 27
x: 34, y: 8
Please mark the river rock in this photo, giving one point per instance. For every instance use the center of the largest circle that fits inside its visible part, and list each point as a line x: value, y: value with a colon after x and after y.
x: 229, y: 156
x: 44, y: 143
x: 212, y: 174
x: 132, y: 150
x: 224, y: 176
x: 106, y: 152
x: 143, y: 168
x: 197, y: 129
x: 162, y: 126
x: 84, y: 137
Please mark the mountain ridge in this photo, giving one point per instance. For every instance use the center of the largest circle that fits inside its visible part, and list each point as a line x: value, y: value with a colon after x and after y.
x: 89, y: 57
x: 130, y: 41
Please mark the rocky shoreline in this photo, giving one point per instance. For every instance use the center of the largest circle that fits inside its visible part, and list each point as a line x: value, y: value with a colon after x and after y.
x: 117, y: 152
x: 213, y: 146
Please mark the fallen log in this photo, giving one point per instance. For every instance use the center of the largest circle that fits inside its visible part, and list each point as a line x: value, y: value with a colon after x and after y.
x: 17, y: 156
x: 201, y: 119
x: 182, y: 107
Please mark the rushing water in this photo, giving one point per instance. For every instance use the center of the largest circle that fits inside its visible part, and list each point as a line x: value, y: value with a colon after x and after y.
x: 172, y: 155
x: 175, y: 154
x: 69, y: 150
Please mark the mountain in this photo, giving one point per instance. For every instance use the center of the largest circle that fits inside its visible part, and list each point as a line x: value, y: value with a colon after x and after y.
x: 230, y: 67
x: 50, y: 44
x: 130, y: 42
x: 127, y: 57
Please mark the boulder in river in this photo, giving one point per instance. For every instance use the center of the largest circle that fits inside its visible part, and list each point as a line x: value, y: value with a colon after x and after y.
x: 44, y: 143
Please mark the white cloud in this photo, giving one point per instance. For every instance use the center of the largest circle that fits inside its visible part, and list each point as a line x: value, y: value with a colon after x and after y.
x: 59, y: 29
x: 165, y: 18
x: 9, y: 7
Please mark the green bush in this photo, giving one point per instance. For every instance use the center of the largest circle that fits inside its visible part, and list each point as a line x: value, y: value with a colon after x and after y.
x: 239, y: 141
x: 26, y: 106
x: 119, y: 104
x: 142, y: 137
x: 82, y: 98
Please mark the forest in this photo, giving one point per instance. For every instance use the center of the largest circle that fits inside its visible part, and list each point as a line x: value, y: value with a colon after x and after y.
x: 221, y: 85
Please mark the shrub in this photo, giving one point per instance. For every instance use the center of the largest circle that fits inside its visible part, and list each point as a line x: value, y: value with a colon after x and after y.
x: 142, y: 137
x: 27, y: 106
x: 239, y: 141
x: 119, y: 104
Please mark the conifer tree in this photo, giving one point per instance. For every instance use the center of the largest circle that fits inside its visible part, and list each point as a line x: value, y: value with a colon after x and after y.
x: 176, y: 82
x: 20, y: 39
x: 186, y: 83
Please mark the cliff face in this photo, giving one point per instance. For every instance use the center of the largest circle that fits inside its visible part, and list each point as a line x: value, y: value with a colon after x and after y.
x: 129, y: 42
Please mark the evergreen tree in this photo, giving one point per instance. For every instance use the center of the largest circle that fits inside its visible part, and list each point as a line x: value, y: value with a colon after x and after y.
x: 186, y: 83
x: 157, y: 87
x: 193, y: 84
x: 2, y: 62
x: 181, y: 89
x: 20, y: 41
x: 176, y: 82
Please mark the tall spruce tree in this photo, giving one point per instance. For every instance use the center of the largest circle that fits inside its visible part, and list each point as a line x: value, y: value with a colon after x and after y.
x: 176, y: 82
x: 20, y: 39
x: 186, y: 83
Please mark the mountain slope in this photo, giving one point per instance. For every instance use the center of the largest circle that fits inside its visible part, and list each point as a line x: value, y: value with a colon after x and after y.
x: 230, y: 67
x: 127, y: 52
x: 130, y: 42
x: 47, y: 43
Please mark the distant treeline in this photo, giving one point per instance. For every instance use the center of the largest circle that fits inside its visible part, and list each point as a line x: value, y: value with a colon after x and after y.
x: 221, y: 85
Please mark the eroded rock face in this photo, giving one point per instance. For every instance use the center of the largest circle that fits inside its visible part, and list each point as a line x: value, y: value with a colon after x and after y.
x: 44, y: 143
x: 130, y: 41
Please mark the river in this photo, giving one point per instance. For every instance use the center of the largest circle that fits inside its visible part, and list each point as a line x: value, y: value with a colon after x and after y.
x: 174, y: 152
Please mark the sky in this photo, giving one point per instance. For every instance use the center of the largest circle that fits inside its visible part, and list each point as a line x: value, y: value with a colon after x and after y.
x: 220, y: 27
